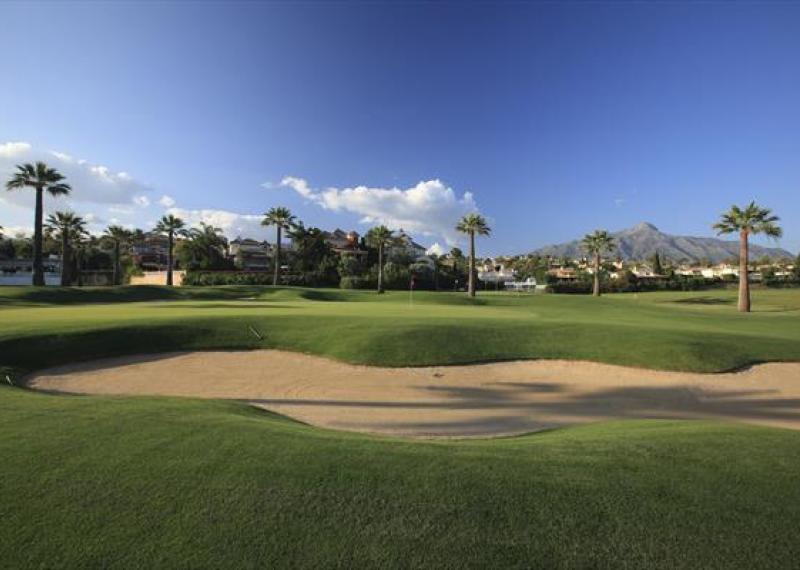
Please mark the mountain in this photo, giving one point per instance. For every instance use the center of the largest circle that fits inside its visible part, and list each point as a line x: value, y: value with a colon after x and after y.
x: 643, y: 240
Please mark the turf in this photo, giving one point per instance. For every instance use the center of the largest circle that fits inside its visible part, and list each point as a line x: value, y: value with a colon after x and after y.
x: 678, y: 331
x: 177, y: 483
x: 168, y: 483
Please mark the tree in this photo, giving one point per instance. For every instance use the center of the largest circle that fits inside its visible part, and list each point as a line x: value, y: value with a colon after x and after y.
x: 436, y: 259
x: 119, y: 238
x: 472, y: 225
x: 40, y: 177
x: 658, y: 269
x: 282, y: 219
x: 204, y: 248
x: 68, y: 228
x: 171, y: 226
x: 314, y: 258
x: 747, y: 221
x: 595, y: 244
x: 379, y: 237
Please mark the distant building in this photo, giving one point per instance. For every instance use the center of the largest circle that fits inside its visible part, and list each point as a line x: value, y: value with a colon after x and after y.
x: 492, y: 271
x: 405, y: 245
x: 250, y: 255
x: 152, y: 252
x: 344, y: 243
x: 646, y: 272
x: 563, y: 273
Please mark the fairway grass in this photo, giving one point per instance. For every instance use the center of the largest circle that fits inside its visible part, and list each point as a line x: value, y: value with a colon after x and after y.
x: 699, y: 332
x: 175, y: 483
x: 146, y: 482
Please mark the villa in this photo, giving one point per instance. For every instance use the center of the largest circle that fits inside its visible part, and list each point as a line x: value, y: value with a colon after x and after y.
x: 251, y: 255
x: 493, y: 272
x: 345, y: 243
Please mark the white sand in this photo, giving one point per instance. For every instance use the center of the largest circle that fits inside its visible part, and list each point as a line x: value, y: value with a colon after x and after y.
x: 443, y: 401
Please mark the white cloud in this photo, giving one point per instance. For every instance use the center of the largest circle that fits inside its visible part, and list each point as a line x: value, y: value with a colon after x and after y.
x: 231, y: 223
x: 436, y: 249
x: 90, y: 182
x: 14, y: 231
x: 167, y: 201
x: 95, y: 188
x: 62, y: 156
x: 12, y: 149
x: 430, y: 208
x: 298, y: 185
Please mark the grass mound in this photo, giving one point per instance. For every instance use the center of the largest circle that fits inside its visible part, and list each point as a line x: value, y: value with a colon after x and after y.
x: 42, y: 327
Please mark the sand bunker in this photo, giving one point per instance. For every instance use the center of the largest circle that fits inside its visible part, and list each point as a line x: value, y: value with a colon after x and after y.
x: 443, y: 401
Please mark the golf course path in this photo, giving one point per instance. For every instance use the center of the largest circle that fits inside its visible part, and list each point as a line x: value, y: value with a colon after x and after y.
x: 442, y: 401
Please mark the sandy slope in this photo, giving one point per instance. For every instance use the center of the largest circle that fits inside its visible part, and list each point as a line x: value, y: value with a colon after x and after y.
x: 477, y: 400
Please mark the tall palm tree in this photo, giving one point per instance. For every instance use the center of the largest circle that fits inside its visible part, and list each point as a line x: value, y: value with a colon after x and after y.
x: 472, y: 225
x: 67, y: 227
x: 750, y: 220
x: 595, y: 244
x: 40, y: 177
x: 81, y: 245
x: 282, y: 219
x: 379, y: 237
x: 119, y: 237
x: 208, y: 243
x: 172, y: 226
x: 436, y: 259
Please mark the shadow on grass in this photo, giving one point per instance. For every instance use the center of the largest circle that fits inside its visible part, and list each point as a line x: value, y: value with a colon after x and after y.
x: 705, y: 301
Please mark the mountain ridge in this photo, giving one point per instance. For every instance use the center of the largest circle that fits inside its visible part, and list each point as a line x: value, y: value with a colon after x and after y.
x: 643, y: 240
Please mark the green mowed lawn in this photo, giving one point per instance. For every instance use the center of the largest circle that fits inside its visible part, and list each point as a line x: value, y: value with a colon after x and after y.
x: 683, y: 331
x: 169, y: 483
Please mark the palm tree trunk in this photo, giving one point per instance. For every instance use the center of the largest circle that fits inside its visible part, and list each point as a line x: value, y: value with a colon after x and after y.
x: 277, y: 259
x: 169, y: 259
x: 471, y: 287
x: 38, y: 270
x: 116, y: 278
x: 380, y: 268
x: 65, y: 259
x: 744, y: 278
x: 596, y: 289
x: 78, y: 263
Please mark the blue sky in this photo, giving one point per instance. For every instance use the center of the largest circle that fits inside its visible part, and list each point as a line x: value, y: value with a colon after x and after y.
x: 552, y: 119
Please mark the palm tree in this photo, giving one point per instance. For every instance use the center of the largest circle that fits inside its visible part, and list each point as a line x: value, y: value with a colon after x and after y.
x: 595, y: 244
x: 208, y: 244
x: 379, y: 237
x: 119, y: 237
x: 752, y: 219
x: 171, y: 226
x: 282, y: 219
x: 67, y: 227
x: 81, y: 243
x: 40, y: 177
x: 436, y: 259
x: 473, y: 224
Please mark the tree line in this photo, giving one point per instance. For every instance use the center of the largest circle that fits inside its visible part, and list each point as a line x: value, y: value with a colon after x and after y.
x: 204, y: 247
